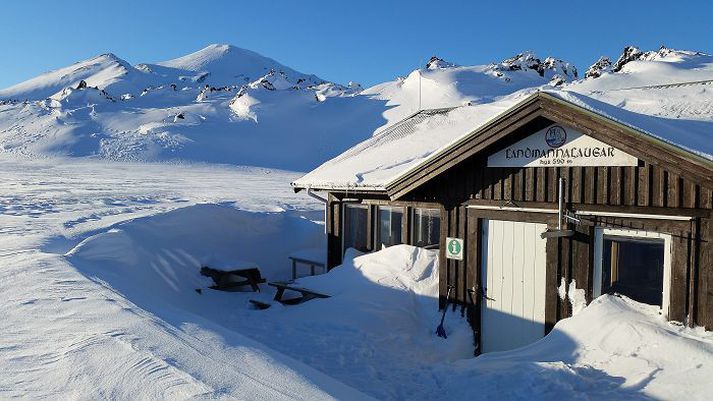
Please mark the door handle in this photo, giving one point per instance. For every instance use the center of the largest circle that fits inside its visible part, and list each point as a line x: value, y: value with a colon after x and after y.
x: 483, y: 293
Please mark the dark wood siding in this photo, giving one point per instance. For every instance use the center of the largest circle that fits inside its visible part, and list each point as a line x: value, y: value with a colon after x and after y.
x: 645, y: 189
x: 646, y: 186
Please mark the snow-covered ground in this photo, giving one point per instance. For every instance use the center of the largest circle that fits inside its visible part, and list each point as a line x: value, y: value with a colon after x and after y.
x: 66, y: 334
x: 101, y: 263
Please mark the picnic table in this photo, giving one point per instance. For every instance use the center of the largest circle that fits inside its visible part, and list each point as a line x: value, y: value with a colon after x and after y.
x: 313, y: 258
x: 234, y: 278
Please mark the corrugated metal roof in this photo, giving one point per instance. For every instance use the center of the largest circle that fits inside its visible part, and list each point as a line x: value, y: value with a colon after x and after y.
x: 394, y: 132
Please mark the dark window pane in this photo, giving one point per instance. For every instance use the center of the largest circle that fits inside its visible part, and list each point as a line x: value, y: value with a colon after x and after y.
x: 633, y: 268
x: 355, y: 219
x: 426, y: 227
x: 389, y: 226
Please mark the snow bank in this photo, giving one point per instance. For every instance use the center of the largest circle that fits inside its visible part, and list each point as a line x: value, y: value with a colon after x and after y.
x: 168, y: 250
x: 613, y: 349
x: 376, y: 330
x: 393, y: 290
x: 373, y: 333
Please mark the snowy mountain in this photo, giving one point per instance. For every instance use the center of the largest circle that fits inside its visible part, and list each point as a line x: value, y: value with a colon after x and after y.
x: 220, y: 104
x: 229, y: 105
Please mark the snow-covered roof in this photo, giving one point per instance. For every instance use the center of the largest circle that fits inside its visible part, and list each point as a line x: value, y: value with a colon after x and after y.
x: 373, y: 163
x: 680, y: 114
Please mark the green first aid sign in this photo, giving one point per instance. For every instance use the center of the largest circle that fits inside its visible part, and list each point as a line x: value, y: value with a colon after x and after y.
x: 454, y: 248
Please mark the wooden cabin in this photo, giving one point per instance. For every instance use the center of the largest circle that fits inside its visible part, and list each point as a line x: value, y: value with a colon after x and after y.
x: 537, y: 205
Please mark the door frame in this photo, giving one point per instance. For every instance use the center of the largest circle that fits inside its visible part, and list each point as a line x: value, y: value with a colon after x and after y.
x: 600, y: 232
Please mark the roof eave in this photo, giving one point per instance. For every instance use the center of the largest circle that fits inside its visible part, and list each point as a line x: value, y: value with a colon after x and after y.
x: 394, y: 187
x: 634, y: 131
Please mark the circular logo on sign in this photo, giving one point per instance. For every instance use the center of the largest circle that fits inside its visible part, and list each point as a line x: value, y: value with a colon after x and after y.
x: 555, y: 136
x: 454, y: 247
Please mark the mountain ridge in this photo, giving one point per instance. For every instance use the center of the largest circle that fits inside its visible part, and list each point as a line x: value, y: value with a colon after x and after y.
x: 225, y: 104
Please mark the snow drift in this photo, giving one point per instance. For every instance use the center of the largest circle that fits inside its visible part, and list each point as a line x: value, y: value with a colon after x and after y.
x: 169, y: 249
x: 373, y: 333
x: 615, y: 349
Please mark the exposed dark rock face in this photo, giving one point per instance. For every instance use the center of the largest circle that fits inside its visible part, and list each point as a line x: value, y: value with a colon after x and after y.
x: 629, y: 54
x: 558, y: 70
x: 435, y: 63
x: 597, y: 69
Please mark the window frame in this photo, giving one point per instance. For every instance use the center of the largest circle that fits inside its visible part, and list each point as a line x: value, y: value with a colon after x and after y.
x: 412, y: 226
x: 377, y: 224
x: 601, y: 232
x: 344, y: 219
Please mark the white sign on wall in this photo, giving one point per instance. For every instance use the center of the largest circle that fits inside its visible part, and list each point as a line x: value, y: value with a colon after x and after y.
x: 454, y: 248
x: 557, y: 146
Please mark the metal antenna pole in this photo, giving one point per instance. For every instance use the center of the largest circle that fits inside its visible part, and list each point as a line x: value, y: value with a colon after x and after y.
x: 419, y: 87
x: 560, y: 209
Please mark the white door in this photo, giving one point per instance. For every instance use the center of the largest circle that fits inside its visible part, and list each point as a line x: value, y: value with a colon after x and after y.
x: 513, y: 313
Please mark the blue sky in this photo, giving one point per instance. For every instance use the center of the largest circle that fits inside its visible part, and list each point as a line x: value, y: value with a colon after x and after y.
x: 365, y: 41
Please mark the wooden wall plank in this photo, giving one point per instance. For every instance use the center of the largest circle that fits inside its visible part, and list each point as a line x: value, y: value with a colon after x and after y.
x: 642, y: 194
x: 602, y: 185
x: 673, y: 185
x: 551, y: 277
x: 540, y: 193
x: 565, y: 174
x: 582, y: 269
x: 577, y: 188
x: 529, y: 184
x: 679, y: 277
x: 518, y: 190
x: 442, y: 261
x: 590, y: 184
x: 630, y: 184
x: 552, y: 179
x: 706, y: 198
x: 334, y: 239
x: 658, y: 193
x: 689, y: 194
x: 615, y: 185
x: 473, y: 255
x: 565, y: 271
x: 462, y: 270
x: 705, y: 283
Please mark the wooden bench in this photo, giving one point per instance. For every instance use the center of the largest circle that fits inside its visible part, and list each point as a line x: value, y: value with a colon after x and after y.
x: 259, y: 304
x: 306, y: 293
x: 308, y: 257
x: 225, y: 280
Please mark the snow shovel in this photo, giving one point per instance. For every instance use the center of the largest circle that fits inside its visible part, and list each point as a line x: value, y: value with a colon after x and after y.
x: 440, y: 331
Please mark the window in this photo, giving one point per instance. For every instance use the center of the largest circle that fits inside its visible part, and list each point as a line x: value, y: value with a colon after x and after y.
x: 389, y: 226
x: 354, y: 230
x: 426, y: 227
x: 633, y: 267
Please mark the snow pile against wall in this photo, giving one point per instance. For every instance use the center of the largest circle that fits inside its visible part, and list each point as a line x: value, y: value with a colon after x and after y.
x: 613, y: 349
x: 378, y: 327
x: 393, y: 292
